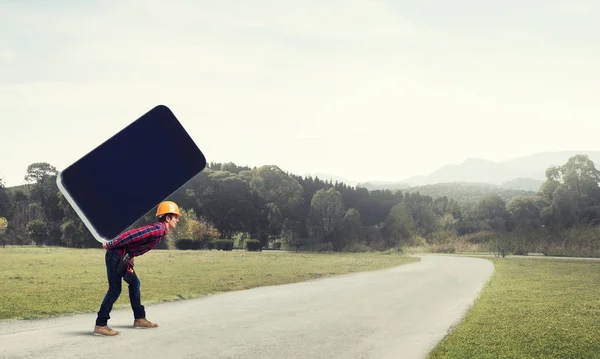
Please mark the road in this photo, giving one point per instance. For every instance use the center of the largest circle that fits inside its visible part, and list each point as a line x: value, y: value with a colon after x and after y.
x: 402, y: 312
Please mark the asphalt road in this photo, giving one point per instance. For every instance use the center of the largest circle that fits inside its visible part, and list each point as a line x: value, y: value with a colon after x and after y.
x: 401, y: 312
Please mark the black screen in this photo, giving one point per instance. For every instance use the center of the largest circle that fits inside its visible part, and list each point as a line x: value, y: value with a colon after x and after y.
x: 130, y: 173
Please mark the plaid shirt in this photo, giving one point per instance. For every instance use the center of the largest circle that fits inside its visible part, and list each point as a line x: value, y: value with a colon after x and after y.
x: 140, y: 240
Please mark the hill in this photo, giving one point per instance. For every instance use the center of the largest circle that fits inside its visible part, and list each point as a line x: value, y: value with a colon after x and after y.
x: 521, y: 173
x: 526, y: 184
x: 467, y: 193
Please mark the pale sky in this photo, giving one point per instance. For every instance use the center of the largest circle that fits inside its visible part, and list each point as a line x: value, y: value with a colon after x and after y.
x: 366, y: 90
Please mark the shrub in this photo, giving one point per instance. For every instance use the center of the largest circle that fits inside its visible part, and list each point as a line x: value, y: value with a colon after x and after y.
x: 575, y: 242
x: 438, y: 237
x: 448, y: 247
x: 479, y: 237
x: 199, y: 229
x: 186, y: 243
x: 223, y: 244
x: 500, y: 245
x: 277, y: 245
x: 253, y: 245
x: 357, y: 248
x: 323, y: 247
x: 164, y: 244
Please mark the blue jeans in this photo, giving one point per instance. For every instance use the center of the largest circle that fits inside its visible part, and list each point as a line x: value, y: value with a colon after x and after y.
x: 114, y: 291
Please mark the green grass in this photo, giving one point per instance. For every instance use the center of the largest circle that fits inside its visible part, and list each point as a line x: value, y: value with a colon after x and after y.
x: 43, y: 282
x: 532, y: 308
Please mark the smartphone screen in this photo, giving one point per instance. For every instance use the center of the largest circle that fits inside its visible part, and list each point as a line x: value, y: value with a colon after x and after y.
x: 122, y: 179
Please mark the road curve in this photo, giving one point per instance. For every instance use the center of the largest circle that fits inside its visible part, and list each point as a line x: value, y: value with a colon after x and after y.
x: 402, y: 312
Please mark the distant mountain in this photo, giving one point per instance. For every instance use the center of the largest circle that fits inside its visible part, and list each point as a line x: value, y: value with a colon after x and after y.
x: 522, y: 173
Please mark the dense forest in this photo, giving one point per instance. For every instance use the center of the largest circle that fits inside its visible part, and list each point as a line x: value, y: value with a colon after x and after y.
x: 239, y: 204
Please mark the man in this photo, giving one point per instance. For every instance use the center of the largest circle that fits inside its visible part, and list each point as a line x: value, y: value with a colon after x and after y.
x: 135, y: 242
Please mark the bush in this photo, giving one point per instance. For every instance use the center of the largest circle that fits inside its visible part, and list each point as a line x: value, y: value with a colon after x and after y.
x: 448, y: 247
x: 520, y: 244
x: 357, y: 248
x: 579, y: 241
x: 479, y: 237
x: 253, y: 245
x: 164, y: 244
x: 200, y: 229
x: 186, y: 244
x: 323, y: 247
x: 223, y: 244
x: 500, y: 245
x: 439, y: 237
x: 277, y: 245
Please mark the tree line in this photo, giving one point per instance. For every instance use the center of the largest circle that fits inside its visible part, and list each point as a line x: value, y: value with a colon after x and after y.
x: 267, y: 205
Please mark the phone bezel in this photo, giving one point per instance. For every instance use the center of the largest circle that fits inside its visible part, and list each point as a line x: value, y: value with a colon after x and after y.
x: 201, y: 165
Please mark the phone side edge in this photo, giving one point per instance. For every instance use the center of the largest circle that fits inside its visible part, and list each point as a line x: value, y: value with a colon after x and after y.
x: 78, y: 211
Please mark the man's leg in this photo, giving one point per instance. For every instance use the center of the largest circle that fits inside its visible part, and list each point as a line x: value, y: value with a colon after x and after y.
x: 139, y: 312
x: 113, y: 293
x: 135, y: 299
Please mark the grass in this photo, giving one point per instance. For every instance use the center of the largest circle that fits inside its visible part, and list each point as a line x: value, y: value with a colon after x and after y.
x: 532, y: 308
x: 45, y: 282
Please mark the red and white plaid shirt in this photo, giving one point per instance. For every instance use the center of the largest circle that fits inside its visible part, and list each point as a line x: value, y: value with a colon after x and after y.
x: 140, y: 240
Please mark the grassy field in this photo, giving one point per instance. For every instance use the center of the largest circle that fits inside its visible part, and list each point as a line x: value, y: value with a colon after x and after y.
x: 43, y: 282
x: 532, y: 308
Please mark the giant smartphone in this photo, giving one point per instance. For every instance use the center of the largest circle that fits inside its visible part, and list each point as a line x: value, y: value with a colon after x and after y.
x: 123, y: 178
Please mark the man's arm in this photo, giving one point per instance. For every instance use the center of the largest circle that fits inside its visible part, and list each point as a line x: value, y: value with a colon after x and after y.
x: 133, y: 236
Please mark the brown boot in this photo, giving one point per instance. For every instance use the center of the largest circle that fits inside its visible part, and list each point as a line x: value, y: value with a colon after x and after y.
x: 143, y: 323
x: 105, y: 330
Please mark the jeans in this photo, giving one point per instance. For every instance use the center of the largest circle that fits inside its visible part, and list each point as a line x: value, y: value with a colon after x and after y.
x: 114, y: 291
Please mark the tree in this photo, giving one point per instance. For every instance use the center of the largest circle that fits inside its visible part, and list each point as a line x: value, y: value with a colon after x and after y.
x: 423, y: 211
x: 573, y: 193
x: 561, y: 213
x: 326, y: 212
x: 45, y: 192
x: 203, y: 231
x: 4, y: 201
x: 352, y: 225
x: 3, y: 228
x: 491, y: 210
x: 490, y: 207
x: 38, y: 171
x: 24, y: 212
x: 275, y: 186
x: 190, y: 227
x: 37, y: 231
x: 399, y: 224
x: 229, y: 204
x: 447, y: 221
x: 578, y: 175
x: 525, y: 211
x: 73, y: 231
x: 282, y: 191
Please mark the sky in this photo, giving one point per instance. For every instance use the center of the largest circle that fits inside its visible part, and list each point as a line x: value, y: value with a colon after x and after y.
x: 365, y: 90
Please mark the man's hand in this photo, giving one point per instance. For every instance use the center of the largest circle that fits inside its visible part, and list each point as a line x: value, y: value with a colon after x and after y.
x: 104, y: 245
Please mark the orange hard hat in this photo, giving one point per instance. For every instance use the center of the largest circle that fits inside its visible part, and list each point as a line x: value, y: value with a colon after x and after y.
x: 167, y: 207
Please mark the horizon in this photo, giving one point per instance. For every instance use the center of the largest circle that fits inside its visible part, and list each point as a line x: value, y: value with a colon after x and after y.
x: 368, y: 91
x: 353, y: 183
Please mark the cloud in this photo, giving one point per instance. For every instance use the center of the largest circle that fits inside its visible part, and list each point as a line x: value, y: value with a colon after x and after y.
x: 135, y: 39
x: 576, y: 7
x: 295, y: 83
